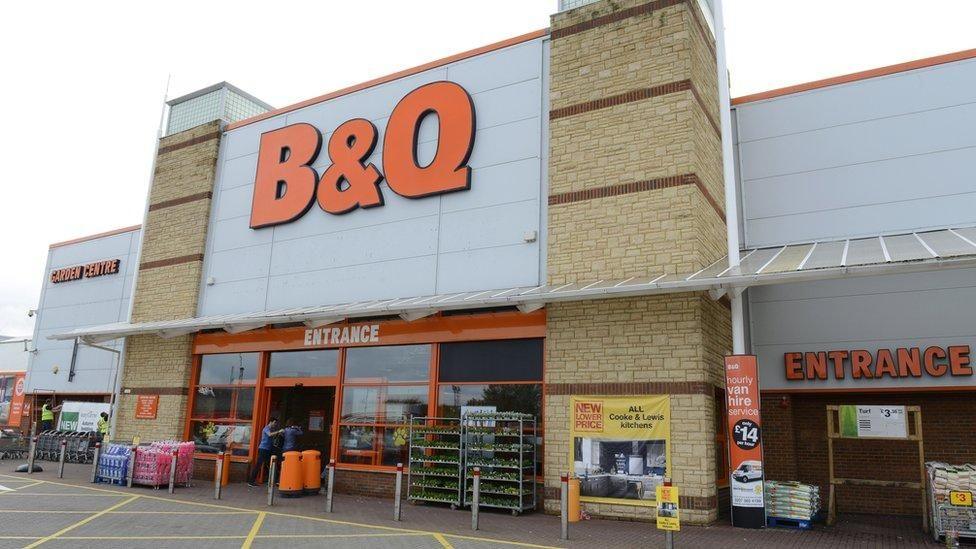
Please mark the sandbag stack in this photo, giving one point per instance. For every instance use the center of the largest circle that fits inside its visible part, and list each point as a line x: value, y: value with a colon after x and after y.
x: 792, y: 500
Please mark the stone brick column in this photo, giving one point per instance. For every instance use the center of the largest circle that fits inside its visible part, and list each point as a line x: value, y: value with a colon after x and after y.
x: 635, y: 190
x: 170, y: 269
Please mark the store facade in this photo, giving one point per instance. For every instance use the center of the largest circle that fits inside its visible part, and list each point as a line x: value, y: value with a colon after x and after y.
x: 884, y: 177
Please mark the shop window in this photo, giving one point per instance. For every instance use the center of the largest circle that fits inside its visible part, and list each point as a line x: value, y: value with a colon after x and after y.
x: 383, y: 387
x: 388, y: 364
x: 223, y: 403
x: 7, y: 384
x: 229, y: 369
x: 322, y: 363
x: 512, y: 360
x: 504, y: 376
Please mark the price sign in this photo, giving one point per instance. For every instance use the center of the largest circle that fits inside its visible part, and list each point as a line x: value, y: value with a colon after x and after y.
x: 961, y: 498
x: 745, y: 433
x: 668, y: 512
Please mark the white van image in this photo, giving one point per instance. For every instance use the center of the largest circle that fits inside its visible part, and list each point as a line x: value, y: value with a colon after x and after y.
x: 748, y: 471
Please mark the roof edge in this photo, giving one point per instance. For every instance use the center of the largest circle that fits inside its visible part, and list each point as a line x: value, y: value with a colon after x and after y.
x: 394, y: 76
x: 95, y: 236
x: 857, y: 76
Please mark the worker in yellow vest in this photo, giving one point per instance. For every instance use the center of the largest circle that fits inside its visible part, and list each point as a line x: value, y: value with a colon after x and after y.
x: 103, y: 427
x: 47, y: 415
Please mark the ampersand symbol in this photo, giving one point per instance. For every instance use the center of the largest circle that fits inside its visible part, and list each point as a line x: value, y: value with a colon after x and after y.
x: 349, y: 183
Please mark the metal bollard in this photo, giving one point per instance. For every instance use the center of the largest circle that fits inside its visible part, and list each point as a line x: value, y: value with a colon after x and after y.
x: 64, y: 448
x: 131, y: 467
x: 564, y: 506
x: 475, y: 497
x: 218, y: 475
x: 328, y: 490
x: 95, y: 457
x: 272, y: 470
x: 172, y: 470
x: 30, y: 456
x: 396, y: 496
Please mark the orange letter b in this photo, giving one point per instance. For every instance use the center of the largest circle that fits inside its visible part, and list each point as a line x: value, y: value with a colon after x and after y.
x: 285, y: 182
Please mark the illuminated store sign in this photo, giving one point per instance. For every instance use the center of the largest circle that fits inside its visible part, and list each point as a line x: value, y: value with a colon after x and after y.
x: 286, y: 185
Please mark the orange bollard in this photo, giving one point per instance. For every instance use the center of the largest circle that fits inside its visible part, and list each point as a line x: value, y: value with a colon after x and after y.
x: 574, y: 500
x: 290, y: 482
x: 225, y: 472
x: 312, y: 466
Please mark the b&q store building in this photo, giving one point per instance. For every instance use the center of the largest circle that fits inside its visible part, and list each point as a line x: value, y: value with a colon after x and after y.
x: 533, y: 220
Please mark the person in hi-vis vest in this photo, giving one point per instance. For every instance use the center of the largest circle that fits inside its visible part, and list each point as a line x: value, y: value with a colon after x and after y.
x: 47, y: 415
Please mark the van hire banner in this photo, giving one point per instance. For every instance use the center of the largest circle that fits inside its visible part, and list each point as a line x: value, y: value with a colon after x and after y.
x: 620, y: 447
x: 81, y: 417
x: 745, y: 441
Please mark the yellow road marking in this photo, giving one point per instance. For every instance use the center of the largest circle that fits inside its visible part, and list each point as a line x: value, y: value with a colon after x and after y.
x: 515, y: 543
x: 442, y: 541
x: 149, y: 537
x: 303, y: 517
x: 59, y: 511
x: 81, y: 522
x: 35, y: 494
x: 289, y: 536
x: 254, y: 531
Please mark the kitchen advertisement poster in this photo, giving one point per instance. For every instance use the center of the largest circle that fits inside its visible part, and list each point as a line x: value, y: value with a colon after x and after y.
x: 620, y: 447
x: 745, y: 441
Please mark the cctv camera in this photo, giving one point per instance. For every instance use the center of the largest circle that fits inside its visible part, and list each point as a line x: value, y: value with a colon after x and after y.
x: 31, y: 312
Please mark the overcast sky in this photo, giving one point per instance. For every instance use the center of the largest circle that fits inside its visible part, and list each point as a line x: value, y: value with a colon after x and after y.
x: 84, y: 82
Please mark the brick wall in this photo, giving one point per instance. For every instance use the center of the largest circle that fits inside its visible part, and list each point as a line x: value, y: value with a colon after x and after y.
x: 167, y: 287
x: 635, y: 183
x: 795, y: 446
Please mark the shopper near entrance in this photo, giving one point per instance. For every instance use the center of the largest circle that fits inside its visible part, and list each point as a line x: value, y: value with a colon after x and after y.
x: 265, y: 449
x: 291, y: 432
x: 47, y: 415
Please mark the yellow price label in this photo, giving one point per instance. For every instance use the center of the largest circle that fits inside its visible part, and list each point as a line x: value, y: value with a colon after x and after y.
x: 961, y: 498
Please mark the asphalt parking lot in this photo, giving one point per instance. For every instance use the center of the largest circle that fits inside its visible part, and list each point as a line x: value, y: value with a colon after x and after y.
x: 38, y: 512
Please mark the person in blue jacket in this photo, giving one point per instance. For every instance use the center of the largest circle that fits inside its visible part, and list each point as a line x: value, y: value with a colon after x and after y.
x: 291, y: 433
x: 265, y: 449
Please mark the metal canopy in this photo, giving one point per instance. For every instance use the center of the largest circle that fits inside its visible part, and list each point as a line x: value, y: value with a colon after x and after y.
x: 883, y: 254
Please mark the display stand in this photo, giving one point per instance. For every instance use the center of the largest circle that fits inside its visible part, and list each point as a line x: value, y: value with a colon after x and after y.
x: 436, y: 454
x: 914, y: 424
x: 503, y: 445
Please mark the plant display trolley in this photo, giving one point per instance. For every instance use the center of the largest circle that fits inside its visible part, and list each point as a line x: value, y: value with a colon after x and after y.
x: 436, y: 456
x: 503, y: 445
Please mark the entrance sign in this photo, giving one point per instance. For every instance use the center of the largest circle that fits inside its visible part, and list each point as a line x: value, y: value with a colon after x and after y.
x: 668, y: 513
x: 620, y: 448
x: 745, y: 441
x: 859, y: 364
x: 286, y: 184
x: 147, y: 406
x: 81, y: 417
x: 858, y: 421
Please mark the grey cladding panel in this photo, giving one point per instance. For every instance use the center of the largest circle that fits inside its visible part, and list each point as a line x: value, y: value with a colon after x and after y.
x: 881, y: 155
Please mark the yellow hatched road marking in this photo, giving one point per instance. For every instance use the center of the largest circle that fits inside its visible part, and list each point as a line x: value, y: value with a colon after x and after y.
x: 81, y: 522
x: 254, y: 531
x: 443, y: 542
x: 441, y: 537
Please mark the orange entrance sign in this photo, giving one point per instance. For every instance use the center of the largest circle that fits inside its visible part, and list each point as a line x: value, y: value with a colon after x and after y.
x: 286, y: 184
x: 147, y: 406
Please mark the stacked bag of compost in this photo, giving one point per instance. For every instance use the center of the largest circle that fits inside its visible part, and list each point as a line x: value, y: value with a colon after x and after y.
x: 944, y: 478
x: 792, y: 500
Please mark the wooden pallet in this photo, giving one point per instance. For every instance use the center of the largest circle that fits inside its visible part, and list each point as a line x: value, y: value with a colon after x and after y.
x: 783, y: 522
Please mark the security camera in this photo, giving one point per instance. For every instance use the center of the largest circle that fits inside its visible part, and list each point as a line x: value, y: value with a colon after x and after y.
x: 31, y: 312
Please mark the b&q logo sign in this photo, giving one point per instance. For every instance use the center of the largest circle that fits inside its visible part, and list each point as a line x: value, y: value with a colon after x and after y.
x: 588, y: 416
x: 286, y: 185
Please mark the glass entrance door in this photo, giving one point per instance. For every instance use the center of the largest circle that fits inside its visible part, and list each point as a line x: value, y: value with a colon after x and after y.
x: 309, y: 408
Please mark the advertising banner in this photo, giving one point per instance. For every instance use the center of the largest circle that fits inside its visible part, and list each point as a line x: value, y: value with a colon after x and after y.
x: 857, y: 421
x: 81, y: 416
x: 745, y: 441
x: 17, y: 402
x: 620, y: 447
x: 668, y: 512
